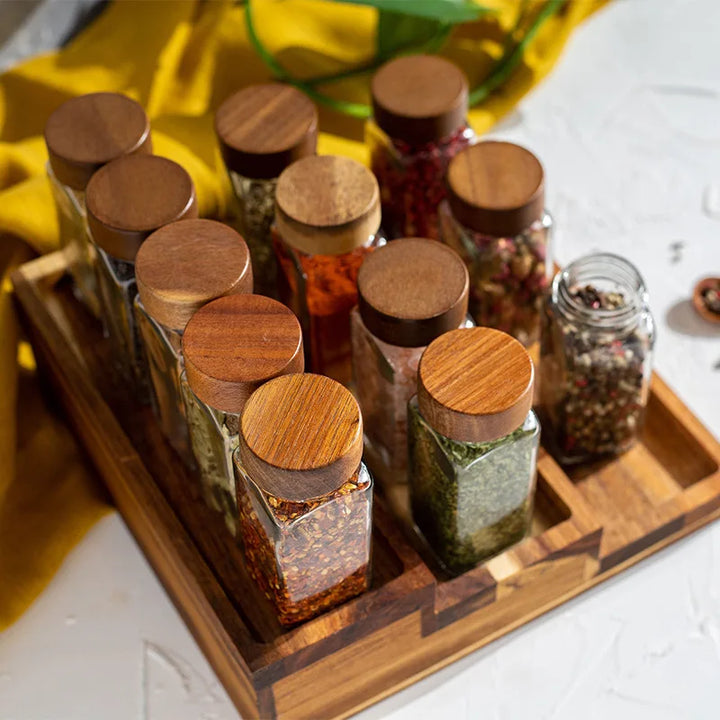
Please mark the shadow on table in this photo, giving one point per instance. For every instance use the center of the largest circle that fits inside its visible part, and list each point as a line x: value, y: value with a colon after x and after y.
x: 682, y: 318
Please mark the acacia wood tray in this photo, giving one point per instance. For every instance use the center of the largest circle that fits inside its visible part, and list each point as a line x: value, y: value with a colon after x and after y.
x: 587, y: 527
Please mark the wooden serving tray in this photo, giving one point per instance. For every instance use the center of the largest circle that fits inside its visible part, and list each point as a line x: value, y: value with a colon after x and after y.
x: 587, y: 527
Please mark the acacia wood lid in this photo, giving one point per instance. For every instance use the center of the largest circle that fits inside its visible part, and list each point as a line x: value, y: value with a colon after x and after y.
x: 236, y: 343
x: 264, y: 128
x: 133, y: 196
x: 496, y: 188
x: 419, y: 98
x: 412, y: 290
x: 327, y: 205
x: 301, y: 436
x: 186, y: 264
x: 88, y: 131
x: 475, y: 384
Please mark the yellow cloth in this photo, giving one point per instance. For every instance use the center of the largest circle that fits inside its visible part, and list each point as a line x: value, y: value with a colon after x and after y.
x: 180, y: 60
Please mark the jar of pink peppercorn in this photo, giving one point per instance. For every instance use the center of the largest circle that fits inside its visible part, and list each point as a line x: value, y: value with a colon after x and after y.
x: 419, y: 123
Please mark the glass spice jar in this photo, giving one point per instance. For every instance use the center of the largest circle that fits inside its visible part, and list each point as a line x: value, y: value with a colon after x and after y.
x: 409, y: 292
x: 473, y: 442
x: 595, y: 358
x: 179, y: 268
x: 231, y: 346
x: 127, y: 200
x: 82, y: 135
x: 420, y: 104
x: 304, y: 496
x: 495, y: 218
x: 262, y: 129
x: 328, y: 217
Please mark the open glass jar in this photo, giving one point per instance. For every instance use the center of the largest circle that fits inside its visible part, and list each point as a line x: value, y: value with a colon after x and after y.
x: 595, y: 358
x: 305, y: 497
x: 420, y: 105
x: 82, y: 135
x: 495, y: 218
x: 328, y: 216
x: 179, y: 269
x: 473, y: 442
x: 262, y: 129
x: 231, y: 346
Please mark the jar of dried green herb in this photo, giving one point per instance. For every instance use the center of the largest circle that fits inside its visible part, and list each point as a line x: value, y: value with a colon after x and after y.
x: 305, y: 497
x: 473, y: 442
x: 595, y: 358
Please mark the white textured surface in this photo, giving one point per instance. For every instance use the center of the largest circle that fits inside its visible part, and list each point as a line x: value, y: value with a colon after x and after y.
x: 628, y: 127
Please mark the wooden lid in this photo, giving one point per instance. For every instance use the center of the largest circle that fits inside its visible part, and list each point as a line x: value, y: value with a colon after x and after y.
x: 475, y: 384
x: 132, y: 197
x: 412, y: 290
x: 327, y: 205
x: 419, y: 98
x: 186, y: 264
x: 86, y: 132
x: 234, y: 344
x: 496, y: 188
x: 301, y: 436
x: 264, y: 128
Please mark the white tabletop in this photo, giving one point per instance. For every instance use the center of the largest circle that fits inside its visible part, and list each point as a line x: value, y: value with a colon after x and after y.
x: 628, y: 127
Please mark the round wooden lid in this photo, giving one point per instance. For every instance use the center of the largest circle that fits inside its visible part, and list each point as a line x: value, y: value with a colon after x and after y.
x: 412, y: 290
x: 475, y: 384
x: 234, y: 344
x: 327, y: 205
x: 496, y: 188
x: 88, y: 131
x: 186, y: 264
x: 132, y: 197
x: 301, y: 436
x: 419, y: 98
x: 264, y: 128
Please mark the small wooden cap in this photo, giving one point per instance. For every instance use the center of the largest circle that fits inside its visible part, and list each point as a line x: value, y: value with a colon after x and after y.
x: 327, y: 205
x: 419, y: 98
x: 86, y: 132
x: 698, y: 301
x: 132, y: 197
x: 412, y: 291
x: 234, y: 344
x: 496, y: 188
x: 301, y: 436
x: 264, y: 128
x: 186, y: 264
x: 475, y: 384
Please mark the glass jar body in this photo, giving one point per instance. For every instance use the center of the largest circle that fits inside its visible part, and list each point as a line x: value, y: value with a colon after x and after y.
x: 509, y: 277
x: 471, y: 500
x: 412, y: 179
x: 308, y: 556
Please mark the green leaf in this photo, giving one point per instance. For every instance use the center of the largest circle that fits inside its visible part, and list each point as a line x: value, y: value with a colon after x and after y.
x: 446, y: 11
x: 397, y: 33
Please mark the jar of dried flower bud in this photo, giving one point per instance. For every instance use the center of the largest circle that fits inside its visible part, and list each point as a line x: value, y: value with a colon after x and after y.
x: 473, y: 442
x: 595, y: 358
x: 305, y: 497
x: 262, y: 129
x: 82, y: 135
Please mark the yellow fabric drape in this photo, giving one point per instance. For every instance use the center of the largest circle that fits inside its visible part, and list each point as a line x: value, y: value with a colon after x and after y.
x: 180, y: 59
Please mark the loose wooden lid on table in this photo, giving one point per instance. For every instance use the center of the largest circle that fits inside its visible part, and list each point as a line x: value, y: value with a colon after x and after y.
x: 475, y: 384
x: 236, y: 343
x: 412, y: 290
x: 496, y: 188
x: 419, y: 98
x: 301, y: 436
x: 264, y: 128
x: 131, y: 197
x: 88, y: 131
x: 186, y: 264
x: 327, y: 205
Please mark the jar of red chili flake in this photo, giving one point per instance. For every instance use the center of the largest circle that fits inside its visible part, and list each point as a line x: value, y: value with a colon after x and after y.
x: 327, y: 221
x: 304, y: 496
x: 495, y: 218
x: 420, y: 105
